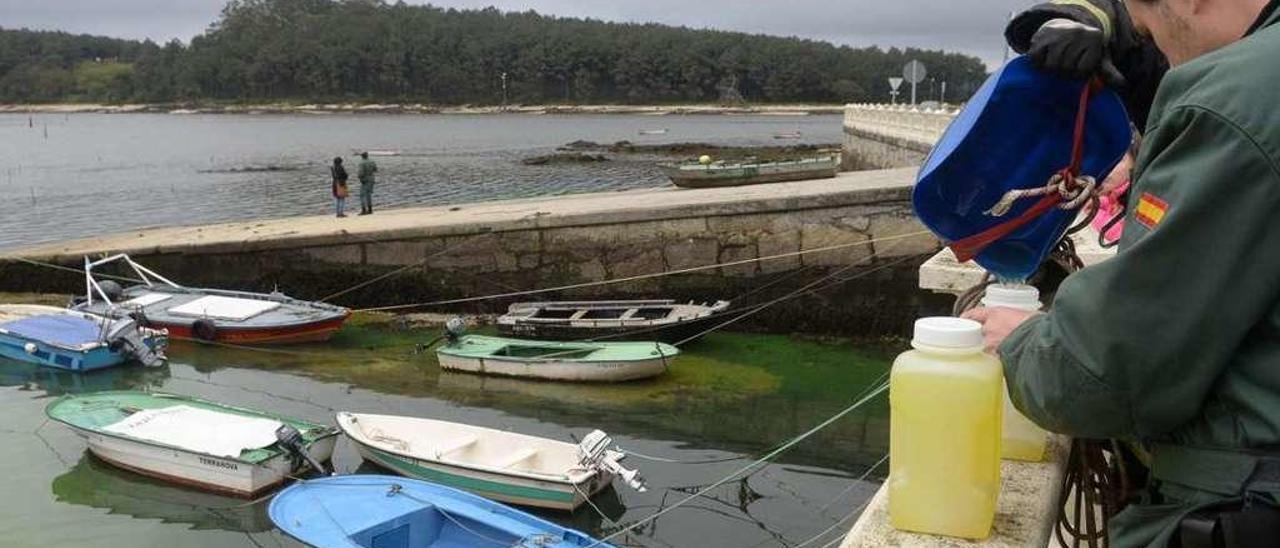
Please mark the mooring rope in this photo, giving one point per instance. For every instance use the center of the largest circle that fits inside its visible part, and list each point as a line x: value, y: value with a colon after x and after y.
x: 749, y: 467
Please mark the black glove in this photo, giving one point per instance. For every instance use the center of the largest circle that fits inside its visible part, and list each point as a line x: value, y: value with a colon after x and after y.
x: 1073, y: 50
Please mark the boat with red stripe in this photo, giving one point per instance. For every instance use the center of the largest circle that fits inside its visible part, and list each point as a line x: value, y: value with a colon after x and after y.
x: 213, y: 315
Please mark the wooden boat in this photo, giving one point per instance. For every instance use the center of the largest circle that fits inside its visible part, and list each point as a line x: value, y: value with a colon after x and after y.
x: 368, y: 511
x: 721, y: 174
x: 209, y: 314
x: 194, y: 442
x: 76, y: 341
x: 789, y: 135
x: 661, y: 320
x: 495, y: 464
x: 557, y: 361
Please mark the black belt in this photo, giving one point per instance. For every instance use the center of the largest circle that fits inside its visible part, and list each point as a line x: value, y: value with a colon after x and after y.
x: 1245, y: 521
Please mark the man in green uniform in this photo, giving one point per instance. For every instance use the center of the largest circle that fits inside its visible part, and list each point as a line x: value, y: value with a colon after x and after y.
x: 365, y: 172
x: 1175, y: 342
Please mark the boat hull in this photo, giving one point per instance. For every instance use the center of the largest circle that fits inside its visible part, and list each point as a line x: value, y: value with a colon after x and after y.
x: 215, y: 474
x: 752, y: 179
x: 673, y: 333
x: 15, y: 348
x: 293, y: 334
x: 558, y: 370
x: 502, y: 488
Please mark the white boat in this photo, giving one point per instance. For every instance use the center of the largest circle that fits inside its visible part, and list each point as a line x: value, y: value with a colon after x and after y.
x: 494, y: 464
x: 194, y: 442
x: 556, y: 361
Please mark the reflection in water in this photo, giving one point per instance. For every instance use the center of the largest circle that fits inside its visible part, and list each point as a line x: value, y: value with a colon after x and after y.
x: 728, y: 399
x: 57, y: 382
x: 97, y: 484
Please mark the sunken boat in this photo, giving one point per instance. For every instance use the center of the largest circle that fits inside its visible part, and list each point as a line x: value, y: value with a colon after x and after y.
x: 651, y: 320
x: 720, y: 174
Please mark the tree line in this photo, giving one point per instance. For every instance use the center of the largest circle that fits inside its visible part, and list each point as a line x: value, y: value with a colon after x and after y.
x: 370, y: 50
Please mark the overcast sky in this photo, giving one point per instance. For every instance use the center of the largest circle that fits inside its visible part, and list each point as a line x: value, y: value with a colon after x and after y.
x: 969, y: 26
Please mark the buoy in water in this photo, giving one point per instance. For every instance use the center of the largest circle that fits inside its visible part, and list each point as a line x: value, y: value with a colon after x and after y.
x: 704, y: 160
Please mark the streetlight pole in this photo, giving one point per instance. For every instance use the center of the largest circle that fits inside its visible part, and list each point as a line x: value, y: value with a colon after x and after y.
x: 504, y: 88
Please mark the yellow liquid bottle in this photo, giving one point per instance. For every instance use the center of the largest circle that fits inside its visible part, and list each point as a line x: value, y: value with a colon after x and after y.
x: 945, y: 399
x: 1022, y: 439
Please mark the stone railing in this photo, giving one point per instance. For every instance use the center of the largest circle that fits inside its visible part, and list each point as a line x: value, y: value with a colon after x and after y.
x: 886, y: 136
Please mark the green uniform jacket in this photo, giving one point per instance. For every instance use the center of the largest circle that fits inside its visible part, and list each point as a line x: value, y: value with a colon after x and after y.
x: 365, y: 172
x: 1175, y: 342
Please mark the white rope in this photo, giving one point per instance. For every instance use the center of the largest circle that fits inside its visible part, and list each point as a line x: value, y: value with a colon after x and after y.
x: 643, y: 276
x: 1074, y: 194
x: 770, y: 456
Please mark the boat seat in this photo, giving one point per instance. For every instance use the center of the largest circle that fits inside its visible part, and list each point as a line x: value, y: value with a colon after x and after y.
x: 519, y: 457
x: 455, y: 445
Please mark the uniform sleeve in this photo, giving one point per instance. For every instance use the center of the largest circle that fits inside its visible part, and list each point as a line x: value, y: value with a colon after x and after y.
x: 1135, y: 56
x: 1132, y: 346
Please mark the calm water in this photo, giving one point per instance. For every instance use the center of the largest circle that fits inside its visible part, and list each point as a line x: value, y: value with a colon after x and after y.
x: 74, y: 175
x: 731, y: 395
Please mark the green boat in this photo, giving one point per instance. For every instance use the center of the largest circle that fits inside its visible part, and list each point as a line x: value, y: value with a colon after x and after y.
x: 560, y: 361
x: 169, y: 437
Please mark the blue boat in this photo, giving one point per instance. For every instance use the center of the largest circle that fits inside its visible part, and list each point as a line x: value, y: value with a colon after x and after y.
x: 76, y: 341
x: 1016, y: 133
x: 372, y: 511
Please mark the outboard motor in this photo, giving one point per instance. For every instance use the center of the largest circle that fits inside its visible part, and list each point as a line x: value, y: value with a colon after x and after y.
x: 454, y: 329
x: 290, y: 439
x: 125, y: 336
x: 593, y: 454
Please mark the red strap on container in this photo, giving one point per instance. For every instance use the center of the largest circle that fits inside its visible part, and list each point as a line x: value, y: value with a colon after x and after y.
x: 969, y: 247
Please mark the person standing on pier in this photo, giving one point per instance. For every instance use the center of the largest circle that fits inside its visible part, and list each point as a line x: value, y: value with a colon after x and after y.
x: 339, y: 187
x: 1174, y: 343
x: 367, y: 178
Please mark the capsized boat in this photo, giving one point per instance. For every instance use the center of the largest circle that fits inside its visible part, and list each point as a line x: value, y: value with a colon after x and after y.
x: 76, y: 341
x: 720, y: 174
x: 194, y: 442
x: 662, y: 320
x: 495, y: 464
x: 209, y: 314
x: 369, y: 511
x: 557, y: 361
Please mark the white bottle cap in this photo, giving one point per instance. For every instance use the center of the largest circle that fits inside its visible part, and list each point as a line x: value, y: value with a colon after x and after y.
x: 1019, y: 296
x: 945, y: 332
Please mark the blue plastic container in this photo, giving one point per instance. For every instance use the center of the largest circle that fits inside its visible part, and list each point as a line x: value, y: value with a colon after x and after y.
x: 1015, y: 133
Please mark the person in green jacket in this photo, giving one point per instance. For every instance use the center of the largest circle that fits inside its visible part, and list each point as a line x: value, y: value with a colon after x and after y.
x: 1174, y: 344
x: 365, y: 172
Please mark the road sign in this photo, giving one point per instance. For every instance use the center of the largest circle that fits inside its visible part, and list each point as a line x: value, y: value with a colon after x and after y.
x: 895, y: 83
x: 915, y: 73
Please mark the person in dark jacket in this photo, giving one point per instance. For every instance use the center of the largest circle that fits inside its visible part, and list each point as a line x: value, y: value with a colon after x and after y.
x: 1083, y: 38
x: 366, y: 173
x: 1174, y: 343
x: 339, y: 186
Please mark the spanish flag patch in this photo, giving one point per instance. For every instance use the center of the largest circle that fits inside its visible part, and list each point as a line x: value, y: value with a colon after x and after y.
x: 1151, y: 210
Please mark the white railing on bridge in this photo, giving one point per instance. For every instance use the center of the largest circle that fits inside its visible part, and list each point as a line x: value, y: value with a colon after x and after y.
x: 899, y: 122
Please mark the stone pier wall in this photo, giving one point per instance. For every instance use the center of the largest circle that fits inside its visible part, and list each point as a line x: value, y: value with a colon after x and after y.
x: 499, y: 247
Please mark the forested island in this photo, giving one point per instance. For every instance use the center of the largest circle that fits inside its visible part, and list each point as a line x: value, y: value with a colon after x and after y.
x: 372, y: 51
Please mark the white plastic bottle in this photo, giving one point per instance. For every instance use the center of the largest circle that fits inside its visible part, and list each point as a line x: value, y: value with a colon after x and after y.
x: 1021, y: 438
x: 944, y: 432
